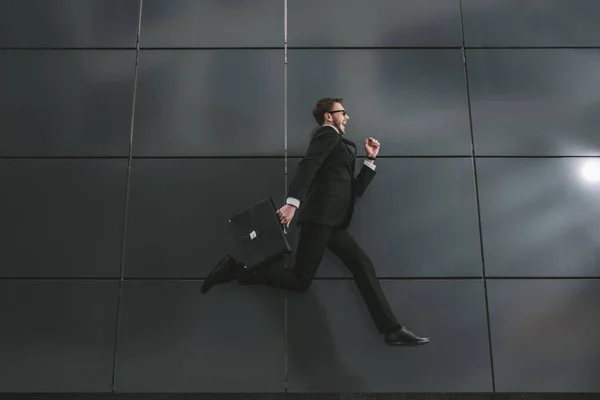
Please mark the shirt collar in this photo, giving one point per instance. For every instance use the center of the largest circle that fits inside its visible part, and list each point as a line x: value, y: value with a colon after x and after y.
x: 332, y: 127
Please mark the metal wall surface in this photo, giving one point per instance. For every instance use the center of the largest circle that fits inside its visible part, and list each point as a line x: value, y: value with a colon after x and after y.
x: 130, y: 131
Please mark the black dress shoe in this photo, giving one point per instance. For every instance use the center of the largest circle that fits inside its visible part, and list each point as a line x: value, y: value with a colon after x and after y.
x: 226, y: 270
x: 404, y: 337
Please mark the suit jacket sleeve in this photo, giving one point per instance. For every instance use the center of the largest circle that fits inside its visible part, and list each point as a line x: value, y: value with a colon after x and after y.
x: 319, y: 148
x: 362, y: 180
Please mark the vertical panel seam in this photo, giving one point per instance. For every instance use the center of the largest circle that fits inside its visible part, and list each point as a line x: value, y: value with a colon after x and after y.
x: 476, y: 183
x: 127, y: 184
x: 285, y: 169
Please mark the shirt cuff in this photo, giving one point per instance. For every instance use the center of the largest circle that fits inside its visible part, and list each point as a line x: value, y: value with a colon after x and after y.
x: 370, y: 164
x: 293, y: 201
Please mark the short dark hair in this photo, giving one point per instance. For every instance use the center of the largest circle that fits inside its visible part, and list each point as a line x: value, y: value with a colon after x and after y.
x: 324, y: 105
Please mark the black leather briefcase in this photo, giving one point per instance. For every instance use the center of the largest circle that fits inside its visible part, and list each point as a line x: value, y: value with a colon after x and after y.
x: 259, y: 235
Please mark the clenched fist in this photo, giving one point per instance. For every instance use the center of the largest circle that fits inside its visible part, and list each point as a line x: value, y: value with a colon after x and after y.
x: 371, y: 147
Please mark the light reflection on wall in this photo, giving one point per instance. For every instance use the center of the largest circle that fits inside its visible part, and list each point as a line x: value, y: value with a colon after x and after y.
x: 589, y: 171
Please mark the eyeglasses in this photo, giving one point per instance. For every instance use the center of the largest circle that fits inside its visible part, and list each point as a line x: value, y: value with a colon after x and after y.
x: 338, y: 111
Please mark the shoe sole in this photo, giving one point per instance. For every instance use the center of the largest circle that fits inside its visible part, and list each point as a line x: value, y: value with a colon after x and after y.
x: 412, y: 344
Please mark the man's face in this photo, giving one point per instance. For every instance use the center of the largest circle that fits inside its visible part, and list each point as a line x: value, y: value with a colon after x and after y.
x: 338, y: 117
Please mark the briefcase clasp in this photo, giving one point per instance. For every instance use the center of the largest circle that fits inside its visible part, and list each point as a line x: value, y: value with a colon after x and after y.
x: 252, y: 235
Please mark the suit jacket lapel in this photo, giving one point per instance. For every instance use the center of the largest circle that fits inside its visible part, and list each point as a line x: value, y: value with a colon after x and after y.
x: 350, y: 146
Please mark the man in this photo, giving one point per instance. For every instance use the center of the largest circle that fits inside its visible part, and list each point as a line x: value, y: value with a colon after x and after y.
x: 324, y: 190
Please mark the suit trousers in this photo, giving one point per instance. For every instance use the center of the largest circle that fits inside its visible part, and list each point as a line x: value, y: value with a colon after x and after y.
x: 313, y: 241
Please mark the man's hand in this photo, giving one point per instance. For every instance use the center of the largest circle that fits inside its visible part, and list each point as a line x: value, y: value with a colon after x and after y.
x: 286, y: 214
x: 371, y: 147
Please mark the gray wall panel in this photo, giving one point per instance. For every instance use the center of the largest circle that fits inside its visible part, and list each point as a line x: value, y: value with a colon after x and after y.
x: 210, y: 103
x: 343, y: 352
x: 212, y: 23
x: 215, y: 129
x: 418, y: 218
x: 535, y: 102
x: 531, y: 23
x: 545, y: 335
x: 540, y: 217
x: 57, y: 336
x: 377, y: 23
x: 66, y: 103
x: 179, y: 209
x: 61, y: 217
x: 232, y: 340
x: 413, y: 101
x: 69, y: 23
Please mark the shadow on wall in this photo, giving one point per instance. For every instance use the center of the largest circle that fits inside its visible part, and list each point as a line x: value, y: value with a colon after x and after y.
x: 310, y: 364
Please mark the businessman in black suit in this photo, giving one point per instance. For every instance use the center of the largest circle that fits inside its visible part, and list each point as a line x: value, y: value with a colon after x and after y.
x: 324, y: 192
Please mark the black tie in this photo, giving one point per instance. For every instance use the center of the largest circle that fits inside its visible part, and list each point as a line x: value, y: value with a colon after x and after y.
x: 351, y: 146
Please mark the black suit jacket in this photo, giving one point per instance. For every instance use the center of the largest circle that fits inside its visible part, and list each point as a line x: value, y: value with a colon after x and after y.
x: 325, y: 183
